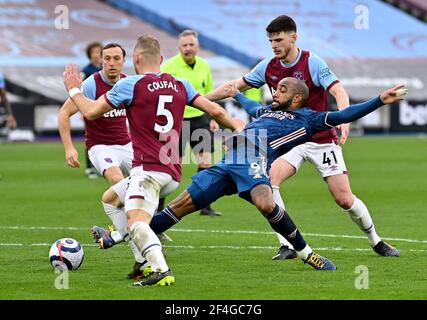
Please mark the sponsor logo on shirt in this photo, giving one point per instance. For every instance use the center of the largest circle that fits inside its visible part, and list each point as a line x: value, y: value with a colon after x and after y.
x: 325, y: 73
x: 115, y: 113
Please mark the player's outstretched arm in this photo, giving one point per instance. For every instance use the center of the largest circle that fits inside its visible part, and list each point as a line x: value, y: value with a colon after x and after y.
x: 357, y: 111
x: 252, y: 107
x: 71, y: 154
x: 221, y: 92
x: 218, y: 113
x: 91, y: 109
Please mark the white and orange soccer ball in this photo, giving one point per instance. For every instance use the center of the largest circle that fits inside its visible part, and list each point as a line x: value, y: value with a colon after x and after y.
x: 66, y: 253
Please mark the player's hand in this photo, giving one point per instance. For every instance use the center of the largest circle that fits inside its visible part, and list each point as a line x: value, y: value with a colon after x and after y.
x: 231, y: 89
x: 72, y: 78
x: 394, y: 94
x: 214, y: 126
x: 239, y: 124
x: 345, y: 132
x: 11, y: 121
x: 72, y: 158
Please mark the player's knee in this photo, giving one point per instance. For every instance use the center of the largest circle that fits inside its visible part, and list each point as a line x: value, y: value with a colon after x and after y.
x: 344, y: 200
x: 276, y: 178
x: 111, y: 197
x: 265, y: 207
x: 113, y: 175
x: 115, y: 178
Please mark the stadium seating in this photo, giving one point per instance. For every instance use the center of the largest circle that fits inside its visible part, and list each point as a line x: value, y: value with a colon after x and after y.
x: 385, y: 41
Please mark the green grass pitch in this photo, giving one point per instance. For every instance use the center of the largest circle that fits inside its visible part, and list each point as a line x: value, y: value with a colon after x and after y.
x: 228, y: 257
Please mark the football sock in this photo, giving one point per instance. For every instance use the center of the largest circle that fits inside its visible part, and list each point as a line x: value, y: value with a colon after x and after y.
x: 163, y: 220
x: 282, y: 223
x: 303, y: 254
x: 149, y: 245
x: 136, y: 253
x: 359, y: 213
x: 161, y: 205
x: 119, y: 219
x: 278, y: 199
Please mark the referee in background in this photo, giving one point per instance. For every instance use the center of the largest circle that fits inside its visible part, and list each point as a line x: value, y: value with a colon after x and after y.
x: 187, y: 65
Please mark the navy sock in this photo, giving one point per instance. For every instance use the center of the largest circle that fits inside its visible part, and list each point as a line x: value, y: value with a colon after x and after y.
x: 163, y: 220
x: 161, y: 205
x: 282, y: 223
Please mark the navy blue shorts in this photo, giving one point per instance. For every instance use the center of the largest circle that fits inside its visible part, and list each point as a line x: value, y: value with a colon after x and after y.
x: 236, y: 173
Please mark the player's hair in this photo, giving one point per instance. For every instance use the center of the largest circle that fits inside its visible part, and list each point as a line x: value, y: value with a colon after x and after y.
x: 91, y: 46
x: 113, y: 45
x: 148, y: 46
x: 281, y: 23
x: 188, y: 32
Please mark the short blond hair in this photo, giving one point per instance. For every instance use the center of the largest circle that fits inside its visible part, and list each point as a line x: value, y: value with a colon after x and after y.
x: 148, y: 47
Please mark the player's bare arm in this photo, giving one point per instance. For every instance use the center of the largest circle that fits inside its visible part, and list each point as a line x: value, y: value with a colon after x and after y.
x: 218, y: 113
x: 343, y: 101
x: 71, y: 155
x: 220, y: 92
x: 91, y: 109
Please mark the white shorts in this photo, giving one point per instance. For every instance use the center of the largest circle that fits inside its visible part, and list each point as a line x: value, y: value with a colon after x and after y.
x: 104, y: 157
x: 144, y: 188
x: 326, y: 157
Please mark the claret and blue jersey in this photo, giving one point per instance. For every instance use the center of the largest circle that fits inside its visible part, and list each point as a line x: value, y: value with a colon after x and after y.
x: 155, y: 105
x: 308, y: 67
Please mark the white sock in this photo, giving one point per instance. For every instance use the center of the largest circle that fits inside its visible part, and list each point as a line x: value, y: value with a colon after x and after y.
x: 136, y: 253
x: 149, y: 245
x: 119, y: 219
x: 278, y: 199
x: 359, y: 213
x: 303, y: 254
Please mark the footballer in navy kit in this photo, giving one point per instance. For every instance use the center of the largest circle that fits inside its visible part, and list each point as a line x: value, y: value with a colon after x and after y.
x: 244, y: 168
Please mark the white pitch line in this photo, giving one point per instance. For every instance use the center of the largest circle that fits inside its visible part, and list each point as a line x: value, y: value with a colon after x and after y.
x: 45, y: 244
x: 319, y: 235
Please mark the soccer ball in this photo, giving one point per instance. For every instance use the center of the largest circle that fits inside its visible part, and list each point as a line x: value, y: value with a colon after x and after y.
x: 66, y: 253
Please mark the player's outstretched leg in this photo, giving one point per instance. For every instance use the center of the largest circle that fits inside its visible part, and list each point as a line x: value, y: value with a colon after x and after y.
x: 163, y: 237
x: 286, y: 251
x: 360, y: 215
x: 282, y: 223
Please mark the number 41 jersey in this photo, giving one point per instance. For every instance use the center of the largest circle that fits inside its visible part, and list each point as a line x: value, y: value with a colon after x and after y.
x: 155, y: 105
